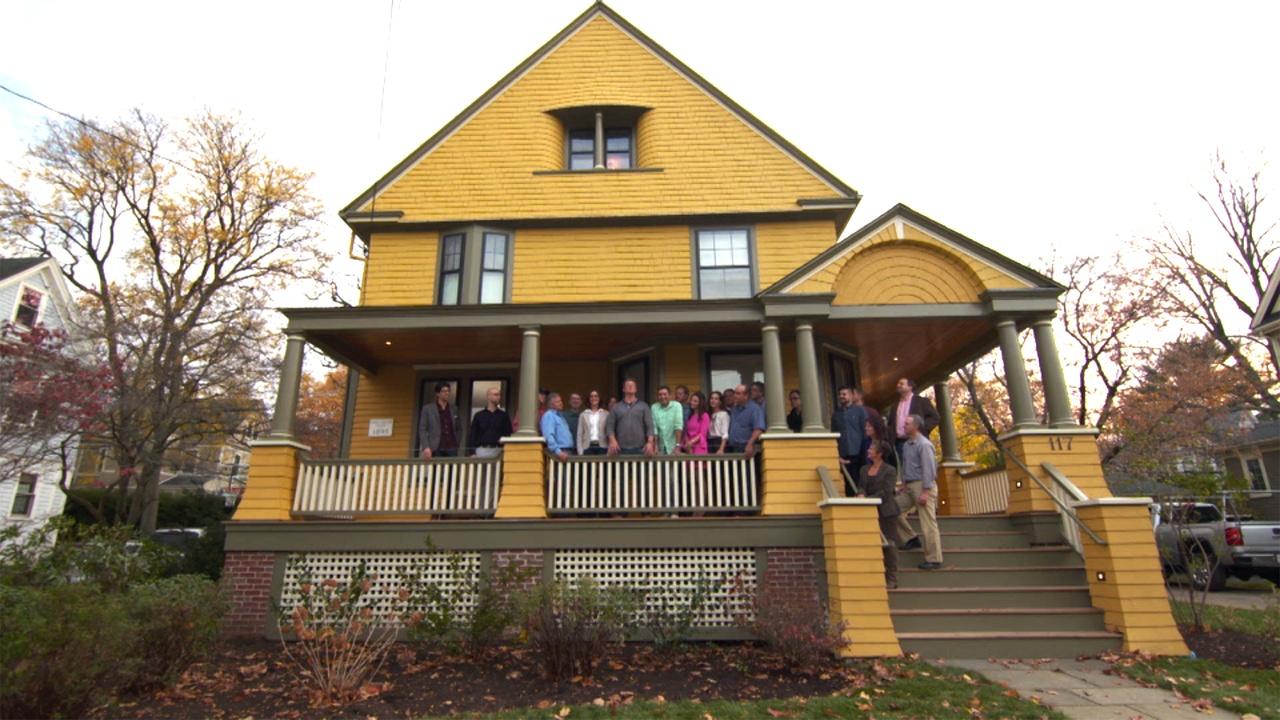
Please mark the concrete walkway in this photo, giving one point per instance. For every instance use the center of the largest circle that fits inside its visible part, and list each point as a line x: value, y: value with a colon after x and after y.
x: 1080, y: 689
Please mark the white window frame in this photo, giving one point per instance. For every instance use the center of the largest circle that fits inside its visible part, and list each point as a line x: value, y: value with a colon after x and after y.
x: 695, y: 253
x: 17, y: 493
x: 17, y: 303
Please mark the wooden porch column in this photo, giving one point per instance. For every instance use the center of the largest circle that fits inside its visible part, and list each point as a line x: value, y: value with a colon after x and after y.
x: 282, y: 420
x: 1056, y: 398
x: 775, y: 408
x: 1015, y: 371
x: 530, y: 355
x: 950, y: 485
x: 810, y: 393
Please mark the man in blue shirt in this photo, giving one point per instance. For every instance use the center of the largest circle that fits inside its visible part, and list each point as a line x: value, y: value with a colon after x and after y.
x: 746, y: 423
x: 850, y: 420
x: 555, y: 430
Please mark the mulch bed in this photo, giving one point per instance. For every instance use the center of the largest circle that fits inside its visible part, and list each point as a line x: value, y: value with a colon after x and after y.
x: 1230, y: 647
x: 251, y: 679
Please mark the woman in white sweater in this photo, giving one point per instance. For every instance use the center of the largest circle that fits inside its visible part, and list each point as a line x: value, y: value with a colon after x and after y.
x: 718, y: 435
x: 592, y: 438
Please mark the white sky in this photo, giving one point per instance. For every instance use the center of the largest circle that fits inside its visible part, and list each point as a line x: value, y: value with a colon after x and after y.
x: 1026, y: 126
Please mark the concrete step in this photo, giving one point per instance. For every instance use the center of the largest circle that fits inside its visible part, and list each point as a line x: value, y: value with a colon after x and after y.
x: 1009, y: 644
x: 998, y: 620
x: 1008, y: 577
x: 1033, y: 597
x: 996, y: 557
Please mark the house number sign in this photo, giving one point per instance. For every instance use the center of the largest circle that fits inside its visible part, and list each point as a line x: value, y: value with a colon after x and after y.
x: 381, y: 427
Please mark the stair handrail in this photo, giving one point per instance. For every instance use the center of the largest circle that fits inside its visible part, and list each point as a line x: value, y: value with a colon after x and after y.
x: 1063, y: 509
x: 828, y: 487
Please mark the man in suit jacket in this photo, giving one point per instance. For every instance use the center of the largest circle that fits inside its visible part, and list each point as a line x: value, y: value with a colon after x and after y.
x: 439, y: 427
x: 909, y: 403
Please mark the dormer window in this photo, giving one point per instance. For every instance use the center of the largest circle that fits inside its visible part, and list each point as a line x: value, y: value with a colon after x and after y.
x: 600, y: 138
x: 617, y: 154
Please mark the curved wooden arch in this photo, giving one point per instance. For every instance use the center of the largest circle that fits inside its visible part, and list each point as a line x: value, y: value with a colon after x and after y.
x: 906, y: 273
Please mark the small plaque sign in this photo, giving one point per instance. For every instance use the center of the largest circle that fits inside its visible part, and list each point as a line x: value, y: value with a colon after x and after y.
x: 381, y: 427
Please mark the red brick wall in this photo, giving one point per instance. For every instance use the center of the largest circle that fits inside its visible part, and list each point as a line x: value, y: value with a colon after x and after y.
x: 794, y: 574
x: 530, y: 562
x: 246, y: 582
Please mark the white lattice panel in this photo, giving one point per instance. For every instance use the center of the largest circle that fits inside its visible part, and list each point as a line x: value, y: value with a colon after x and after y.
x: 671, y: 573
x: 389, y: 569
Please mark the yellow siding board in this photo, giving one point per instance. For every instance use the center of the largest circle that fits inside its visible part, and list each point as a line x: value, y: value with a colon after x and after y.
x: 711, y: 160
x: 401, y: 269
x: 388, y: 394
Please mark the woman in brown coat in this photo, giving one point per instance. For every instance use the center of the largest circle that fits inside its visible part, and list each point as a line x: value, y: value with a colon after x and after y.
x: 877, y: 479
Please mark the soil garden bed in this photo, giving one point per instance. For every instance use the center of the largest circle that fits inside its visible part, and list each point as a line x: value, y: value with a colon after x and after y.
x: 1232, y: 647
x: 251, y: 679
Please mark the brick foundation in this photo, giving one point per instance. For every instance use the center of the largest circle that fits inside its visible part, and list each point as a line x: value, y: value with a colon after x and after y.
x: 794, y: 574
x: 246, y: 582
x: 528, y: 561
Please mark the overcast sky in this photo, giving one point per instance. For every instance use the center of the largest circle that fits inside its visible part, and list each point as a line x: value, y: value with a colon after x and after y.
x: 1027, y: 126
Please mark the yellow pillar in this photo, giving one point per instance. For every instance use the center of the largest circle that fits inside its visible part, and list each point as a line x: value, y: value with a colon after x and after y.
x: 273, y: 474
x: 855, y: 576
x: 790, y: 466
x: 951, y: 488
x: 523, y: 493
x: 1074, y: 451
x: 1124, y: 575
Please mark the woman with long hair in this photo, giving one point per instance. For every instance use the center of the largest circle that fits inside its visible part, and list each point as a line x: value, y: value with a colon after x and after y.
x: 592, y: 437
x: 697, y: 427
x: 718, y: 433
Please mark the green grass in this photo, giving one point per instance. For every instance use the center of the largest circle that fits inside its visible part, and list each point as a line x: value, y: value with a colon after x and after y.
x: 1237, y: 689
x: 916, y: 690
x: 1216, y: 617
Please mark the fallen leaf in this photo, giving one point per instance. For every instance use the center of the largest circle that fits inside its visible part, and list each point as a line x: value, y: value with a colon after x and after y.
x: 780, y: 713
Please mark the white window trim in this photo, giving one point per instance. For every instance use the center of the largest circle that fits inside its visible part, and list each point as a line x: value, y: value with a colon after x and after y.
x: 17, y: 303
x: 35, y: 494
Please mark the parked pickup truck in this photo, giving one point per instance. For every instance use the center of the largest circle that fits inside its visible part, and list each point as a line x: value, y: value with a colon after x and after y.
x: 1215, y: 544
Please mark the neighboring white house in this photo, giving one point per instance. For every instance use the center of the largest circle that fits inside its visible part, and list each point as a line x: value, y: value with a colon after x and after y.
x: 32, y: 292
x: 1266, y: 322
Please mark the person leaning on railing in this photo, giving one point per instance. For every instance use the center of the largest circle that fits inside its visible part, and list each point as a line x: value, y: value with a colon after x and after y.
x: 592, y: 430
x: 555, y: 430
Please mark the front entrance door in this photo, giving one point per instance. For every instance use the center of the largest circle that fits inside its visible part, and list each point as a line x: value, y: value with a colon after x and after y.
x: 469, y: 392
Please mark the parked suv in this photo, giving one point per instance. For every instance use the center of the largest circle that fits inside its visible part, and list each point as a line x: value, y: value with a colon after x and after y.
x: 1218, y: 540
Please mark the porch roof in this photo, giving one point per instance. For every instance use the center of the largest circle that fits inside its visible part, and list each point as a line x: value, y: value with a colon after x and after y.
x: 922, y: 341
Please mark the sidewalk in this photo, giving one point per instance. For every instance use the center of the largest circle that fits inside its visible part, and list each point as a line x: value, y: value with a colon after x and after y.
x: 1080, y: 689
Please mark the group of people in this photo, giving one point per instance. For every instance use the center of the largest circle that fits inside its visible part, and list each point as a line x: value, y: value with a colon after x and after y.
x: 678, y: 423
x: 890, y: 457
x: 886, y: 456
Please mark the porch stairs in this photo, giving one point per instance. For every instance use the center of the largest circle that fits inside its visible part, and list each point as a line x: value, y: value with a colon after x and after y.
x: 997, y: 596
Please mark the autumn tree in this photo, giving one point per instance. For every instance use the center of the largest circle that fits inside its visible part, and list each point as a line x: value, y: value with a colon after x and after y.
x: 49, y: 397
x: 173, y: 238
x: 1168, y: 424
x: 318, y: 422
x: 1216, y: 284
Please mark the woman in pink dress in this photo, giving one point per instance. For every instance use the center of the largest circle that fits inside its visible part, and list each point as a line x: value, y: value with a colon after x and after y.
x: 696, y: 427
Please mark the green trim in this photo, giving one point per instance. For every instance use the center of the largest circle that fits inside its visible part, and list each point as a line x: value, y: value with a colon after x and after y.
x: 348, y: 413
x: 412, y: 317
x: 906, y: 213
x: 905, y: 312
x: 569, y: 30
x: 367, y: 217
x: 602, y: 171
x: 298, y: 536
x: 1024, y: 300
x: 810, y: 305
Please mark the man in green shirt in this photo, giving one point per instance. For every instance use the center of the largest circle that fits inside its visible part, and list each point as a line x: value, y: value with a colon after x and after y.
x: 668, y: 422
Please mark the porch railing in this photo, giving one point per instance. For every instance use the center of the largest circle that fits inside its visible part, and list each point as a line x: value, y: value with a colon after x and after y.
x: 442, y: 486
x: 986, y: 491
x: 665, y: 484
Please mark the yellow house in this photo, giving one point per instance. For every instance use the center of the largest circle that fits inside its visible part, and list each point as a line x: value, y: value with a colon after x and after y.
x: 603, y: 213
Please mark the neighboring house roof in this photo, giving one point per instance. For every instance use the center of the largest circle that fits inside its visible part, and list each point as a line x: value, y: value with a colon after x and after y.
x: 600, y: 9
x: 902, y: 212
x: 1268, y: 316
x: 1265, y: 431
x: 15, y: 270
x: 13, y: 266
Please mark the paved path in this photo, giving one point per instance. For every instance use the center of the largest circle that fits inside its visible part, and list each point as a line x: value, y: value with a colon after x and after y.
x: 1080, y: 689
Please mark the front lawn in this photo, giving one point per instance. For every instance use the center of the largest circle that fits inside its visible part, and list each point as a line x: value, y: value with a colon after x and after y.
x: 1241, y: 690
x: 900, y: 689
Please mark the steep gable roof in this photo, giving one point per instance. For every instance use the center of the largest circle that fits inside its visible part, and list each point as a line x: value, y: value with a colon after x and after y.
x: 902, y: 212
x: 13, y: 266
x: 847, y: 196
x: 1269, y: 309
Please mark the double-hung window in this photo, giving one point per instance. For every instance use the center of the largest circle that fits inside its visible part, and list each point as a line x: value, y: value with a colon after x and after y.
x: 493, y: 273
x: 24, y: 498
x: 617, y: 154
x: 724, y: 263
x: 451, y: 249
x: 28, y: 310
x: 474, y: 267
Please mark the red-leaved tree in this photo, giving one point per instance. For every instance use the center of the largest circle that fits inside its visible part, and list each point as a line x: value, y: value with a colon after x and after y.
x: 49, y: 397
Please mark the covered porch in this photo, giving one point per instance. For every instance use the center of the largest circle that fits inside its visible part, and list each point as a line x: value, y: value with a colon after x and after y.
x: 806, y: 342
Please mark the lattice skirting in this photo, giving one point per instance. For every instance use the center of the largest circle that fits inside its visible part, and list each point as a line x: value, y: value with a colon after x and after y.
x: 387, y: 571
x: 669, y: 578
